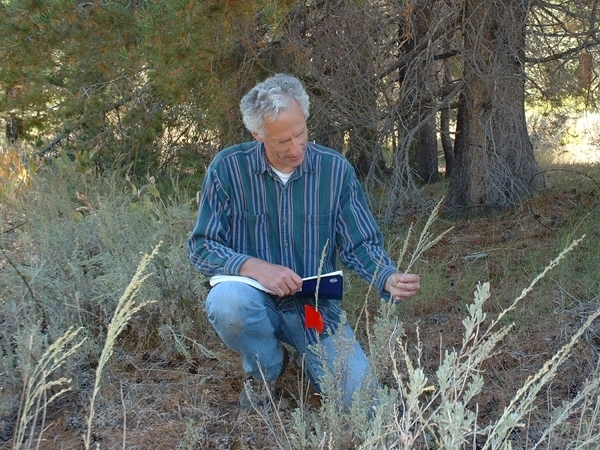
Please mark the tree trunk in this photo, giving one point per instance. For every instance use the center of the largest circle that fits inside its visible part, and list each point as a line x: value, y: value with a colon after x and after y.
x: 13, y: 129
x: 495, y: 165
x: 362, y: 149
x: 427, y: 161
x: 445, y: 114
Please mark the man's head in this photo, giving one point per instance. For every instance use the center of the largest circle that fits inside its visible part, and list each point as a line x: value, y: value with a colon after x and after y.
x: 275, y: 112
x: 267, y: 99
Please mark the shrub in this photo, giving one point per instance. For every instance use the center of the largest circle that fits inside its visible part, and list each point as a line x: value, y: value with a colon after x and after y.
x: 74, y: 245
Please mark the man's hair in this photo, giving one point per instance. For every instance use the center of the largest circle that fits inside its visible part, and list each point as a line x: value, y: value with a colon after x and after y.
x: 267, y: 99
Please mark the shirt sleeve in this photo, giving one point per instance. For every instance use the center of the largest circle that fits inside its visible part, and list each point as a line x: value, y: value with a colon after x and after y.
x: 208, y: 245
x: 359, y: 238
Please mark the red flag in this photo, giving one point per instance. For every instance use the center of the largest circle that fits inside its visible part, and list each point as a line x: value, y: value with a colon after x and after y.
x: 313, y: 319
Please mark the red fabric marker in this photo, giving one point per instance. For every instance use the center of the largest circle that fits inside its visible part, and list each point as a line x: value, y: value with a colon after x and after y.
x: 313, y: 319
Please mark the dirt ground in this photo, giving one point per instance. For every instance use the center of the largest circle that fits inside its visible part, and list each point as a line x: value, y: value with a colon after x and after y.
x: 163, y: 401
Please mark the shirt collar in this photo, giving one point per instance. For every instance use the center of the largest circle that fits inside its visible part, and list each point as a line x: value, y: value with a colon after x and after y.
x: 261, y: 165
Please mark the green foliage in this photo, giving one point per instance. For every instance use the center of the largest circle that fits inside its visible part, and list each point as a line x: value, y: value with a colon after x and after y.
x: 155, y: 85
x: 151, y: 85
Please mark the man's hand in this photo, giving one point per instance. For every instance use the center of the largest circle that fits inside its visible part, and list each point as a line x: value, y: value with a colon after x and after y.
x: 402, y: 285
x: 279, y: 279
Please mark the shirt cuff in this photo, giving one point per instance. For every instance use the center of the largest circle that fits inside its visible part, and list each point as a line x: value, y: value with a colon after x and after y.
x: 382, y: 277
x: 234, y: 264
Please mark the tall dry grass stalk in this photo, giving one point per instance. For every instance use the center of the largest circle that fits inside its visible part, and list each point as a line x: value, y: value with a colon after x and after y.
x: 125, y: 310
x: 426, y: 239
x: 40, y: 391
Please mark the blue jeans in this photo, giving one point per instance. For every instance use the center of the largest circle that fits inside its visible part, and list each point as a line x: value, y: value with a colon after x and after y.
x: 250, y: 322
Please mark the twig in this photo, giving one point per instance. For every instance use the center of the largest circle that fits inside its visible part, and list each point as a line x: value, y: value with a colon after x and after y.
x: 44, y: 324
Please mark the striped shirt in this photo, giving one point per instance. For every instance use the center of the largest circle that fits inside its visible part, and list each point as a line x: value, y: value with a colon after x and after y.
x: 246, y: 211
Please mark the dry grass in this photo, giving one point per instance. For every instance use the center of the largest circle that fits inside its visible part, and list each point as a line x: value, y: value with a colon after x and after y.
x: 125, y: 310
x: 41, y: 389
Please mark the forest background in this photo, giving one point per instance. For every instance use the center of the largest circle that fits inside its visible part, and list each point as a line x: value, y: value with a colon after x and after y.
x: 113, y: 109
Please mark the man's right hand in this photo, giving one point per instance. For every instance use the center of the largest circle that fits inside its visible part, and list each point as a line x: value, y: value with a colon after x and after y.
x: 279, y: 279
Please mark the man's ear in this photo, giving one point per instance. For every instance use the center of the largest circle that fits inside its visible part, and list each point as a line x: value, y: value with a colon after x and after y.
x: 257, y: 137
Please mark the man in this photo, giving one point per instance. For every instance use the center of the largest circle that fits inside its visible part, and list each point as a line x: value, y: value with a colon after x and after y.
x: 269, y: 210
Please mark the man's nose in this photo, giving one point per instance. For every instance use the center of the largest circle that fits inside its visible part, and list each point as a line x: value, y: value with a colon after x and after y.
x: 298, y: 146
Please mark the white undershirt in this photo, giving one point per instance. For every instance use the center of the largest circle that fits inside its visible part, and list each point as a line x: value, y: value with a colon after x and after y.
x: 284, y: 177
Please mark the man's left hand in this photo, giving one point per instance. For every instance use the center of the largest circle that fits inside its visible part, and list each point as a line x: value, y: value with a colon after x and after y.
x: 402, y: 286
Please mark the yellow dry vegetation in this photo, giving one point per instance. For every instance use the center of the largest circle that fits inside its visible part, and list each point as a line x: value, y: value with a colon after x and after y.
x: 13, y: 173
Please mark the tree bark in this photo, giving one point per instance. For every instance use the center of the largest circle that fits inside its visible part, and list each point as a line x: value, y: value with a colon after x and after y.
x: 427, y: 161
x: 495, y: 165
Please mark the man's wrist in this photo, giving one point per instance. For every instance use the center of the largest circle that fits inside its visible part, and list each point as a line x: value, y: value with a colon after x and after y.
x: 234, y: 265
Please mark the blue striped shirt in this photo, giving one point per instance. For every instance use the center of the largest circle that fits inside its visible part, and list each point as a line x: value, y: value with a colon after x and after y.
x: 246, y: 211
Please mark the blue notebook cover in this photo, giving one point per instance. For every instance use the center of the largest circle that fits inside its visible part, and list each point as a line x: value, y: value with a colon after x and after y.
x: 331, y: 286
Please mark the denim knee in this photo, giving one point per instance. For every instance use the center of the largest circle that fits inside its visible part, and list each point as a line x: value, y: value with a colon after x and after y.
x: 240, y: 314
x: 234, y: 306
x: 222, y: 305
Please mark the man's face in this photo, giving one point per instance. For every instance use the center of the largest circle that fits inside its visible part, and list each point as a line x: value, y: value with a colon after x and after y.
x: 285, y: 139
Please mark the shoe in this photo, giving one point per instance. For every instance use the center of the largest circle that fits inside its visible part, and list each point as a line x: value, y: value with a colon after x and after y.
x: 258, y: 393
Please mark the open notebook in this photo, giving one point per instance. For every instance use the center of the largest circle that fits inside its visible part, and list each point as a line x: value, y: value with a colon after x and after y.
x: 331, y: 285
